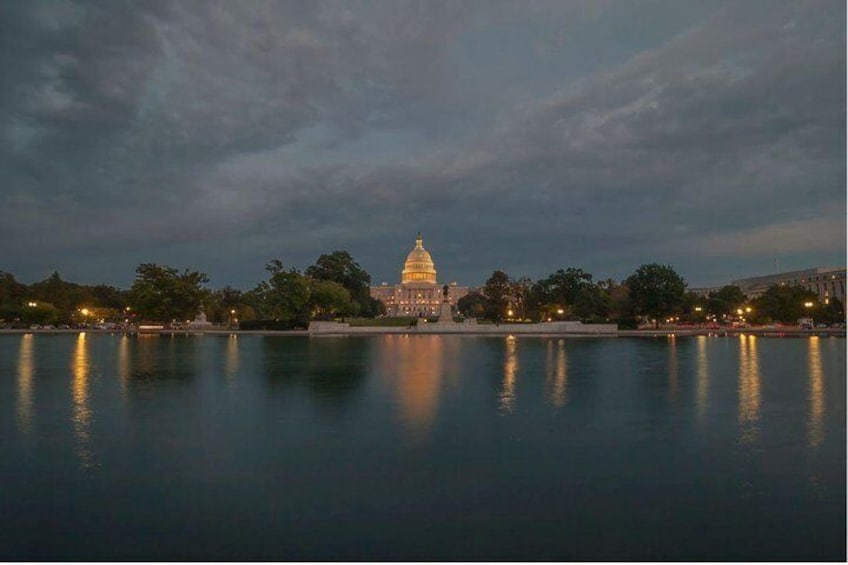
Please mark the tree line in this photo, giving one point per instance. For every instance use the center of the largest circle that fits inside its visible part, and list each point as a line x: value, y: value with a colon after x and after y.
x: 336, y: 286
x: 653, y: 293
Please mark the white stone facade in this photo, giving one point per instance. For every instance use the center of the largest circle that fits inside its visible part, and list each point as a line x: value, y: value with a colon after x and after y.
x: 827, y: 282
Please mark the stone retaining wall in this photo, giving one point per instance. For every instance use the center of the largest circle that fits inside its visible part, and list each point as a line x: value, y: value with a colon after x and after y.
x: 467, y: 328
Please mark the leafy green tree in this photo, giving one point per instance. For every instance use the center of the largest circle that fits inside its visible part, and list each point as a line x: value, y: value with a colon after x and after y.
x: 255, y: 300
x: 66, y: 296
x: 376, y: 307
x: 695, y: 308
x: 570, y: 293
x: 13, y: 297
x: 519, y: 297
x: 498, y: 291
x: 472, y: 305
x: 341, y: 268
x: 162, y: 293
x: 656, y: 291
x: 328, y: 299
x: 784, y: 303
x: 12, y: 291
x: 41, y: 313
x: 622, y: 310
x: 833, y: 311
x: 107, y: 296
x: 224, y: 305
x: 286, y: 294
x: 726, y: 300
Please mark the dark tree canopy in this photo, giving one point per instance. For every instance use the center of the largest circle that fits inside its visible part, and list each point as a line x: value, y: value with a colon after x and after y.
x: 783, y: 303
x: 162, y: 293
x: 286, y: 294
x: 472, y: 305
x: 497, y: 290
x: 656, y: 290
x: 726, y: 300
x: 328, y: 299
x: 572, y: 292
x: 340, y: 267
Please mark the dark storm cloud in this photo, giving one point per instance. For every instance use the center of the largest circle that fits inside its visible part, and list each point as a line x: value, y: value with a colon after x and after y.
x: 524, y: 136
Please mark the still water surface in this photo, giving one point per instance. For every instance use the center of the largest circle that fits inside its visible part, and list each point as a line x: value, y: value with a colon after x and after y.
x: 421, y: 447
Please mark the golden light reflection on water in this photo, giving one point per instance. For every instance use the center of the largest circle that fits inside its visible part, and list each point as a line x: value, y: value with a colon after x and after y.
x: 26, y: 372
x: 231, y: 360
x: 414, y: 365
x: 557, y: 374
x: 703, y: 376
x: 749, y: 388
x: 672, y: 366
x: 144, y: 363
x: 124, y: 364
x: 81, y: 414
x: 815, y: 424
x: 507, y: 392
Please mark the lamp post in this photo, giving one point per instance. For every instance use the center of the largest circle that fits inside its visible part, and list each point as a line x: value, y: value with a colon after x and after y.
x: 232, y: 317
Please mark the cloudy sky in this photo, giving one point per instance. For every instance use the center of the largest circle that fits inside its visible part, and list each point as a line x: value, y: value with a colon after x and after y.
x: 524, y: 135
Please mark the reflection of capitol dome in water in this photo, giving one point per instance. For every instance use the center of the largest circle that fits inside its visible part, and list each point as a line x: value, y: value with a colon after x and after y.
x: 419, y: 267
x: 418, y: 293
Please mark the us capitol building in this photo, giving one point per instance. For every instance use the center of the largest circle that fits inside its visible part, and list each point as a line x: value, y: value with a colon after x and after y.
x: 419, y: 293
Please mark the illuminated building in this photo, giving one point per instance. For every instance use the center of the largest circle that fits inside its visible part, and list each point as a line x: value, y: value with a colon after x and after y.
x: 827, y: 282
x: 419, y: 293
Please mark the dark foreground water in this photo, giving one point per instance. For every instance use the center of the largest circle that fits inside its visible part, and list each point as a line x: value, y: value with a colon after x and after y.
x: 422, y: 447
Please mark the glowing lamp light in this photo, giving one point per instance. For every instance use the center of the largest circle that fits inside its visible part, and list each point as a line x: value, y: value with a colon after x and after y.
x: 84, y: 311
x: 808, y: 304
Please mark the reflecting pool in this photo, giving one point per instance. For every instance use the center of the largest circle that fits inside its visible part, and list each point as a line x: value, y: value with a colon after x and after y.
x: 425, y: 447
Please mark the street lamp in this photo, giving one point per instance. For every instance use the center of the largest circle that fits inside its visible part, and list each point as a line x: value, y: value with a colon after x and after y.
x: 698, y: 308
x: 808, y: 304
x: 560, y: 311
x: 32, y: 304
x: 748, y: 309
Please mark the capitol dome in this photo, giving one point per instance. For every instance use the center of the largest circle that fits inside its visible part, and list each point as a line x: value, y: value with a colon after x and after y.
x: 419, y: 267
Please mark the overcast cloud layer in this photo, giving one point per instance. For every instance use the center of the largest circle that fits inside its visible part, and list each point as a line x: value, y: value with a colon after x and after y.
x: 525, y: 136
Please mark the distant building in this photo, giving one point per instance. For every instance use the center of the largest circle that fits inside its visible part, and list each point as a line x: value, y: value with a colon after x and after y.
x: 704, y: 291
x: 827, y: 282
x: 419, y: 293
